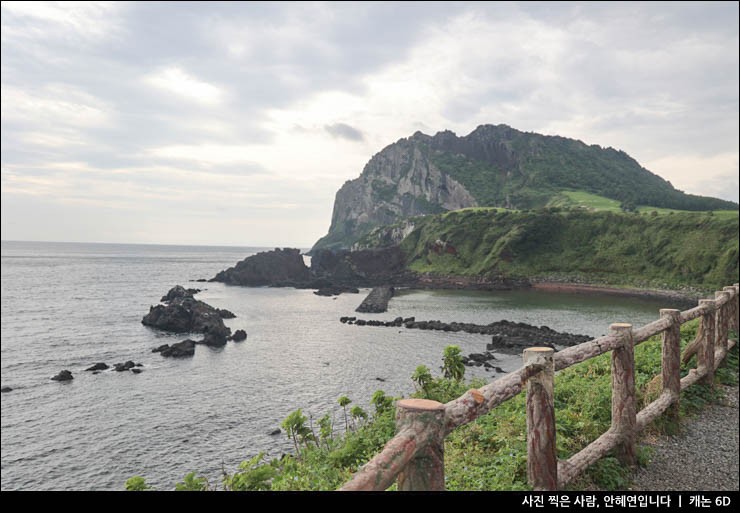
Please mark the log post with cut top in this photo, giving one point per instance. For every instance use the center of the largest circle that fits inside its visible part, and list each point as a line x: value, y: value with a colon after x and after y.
x: 724, y: 313
x: 705, y: 356
x: 426, y: 470
x: 624, y: 414
x: 671, y: 364
x: 733, y: 310
x: 542, y: 463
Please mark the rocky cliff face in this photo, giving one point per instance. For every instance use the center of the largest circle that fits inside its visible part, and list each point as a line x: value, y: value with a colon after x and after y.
x: 399, y: 182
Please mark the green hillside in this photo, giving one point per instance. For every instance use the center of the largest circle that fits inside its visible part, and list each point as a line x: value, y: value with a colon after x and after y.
x: 504, y: 167
x: 672, y: 250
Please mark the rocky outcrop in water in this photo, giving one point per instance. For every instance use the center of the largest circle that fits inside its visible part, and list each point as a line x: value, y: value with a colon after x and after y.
x: 335, y: 290
x: 377, y: 300
x: 187, y: 315
x: 128, y: 365
x: 178, y: 350
x: 213, y: 340
x: 331, y: 272
x: 239, y: 335
x: 178, y: 291
x: 97, y: 367
x: 280, y: 267
x: 482, y: 360
x: 506, y: 336
x: 64, y: 375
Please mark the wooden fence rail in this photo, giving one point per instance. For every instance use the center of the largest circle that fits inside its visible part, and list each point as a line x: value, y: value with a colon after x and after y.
x: 415, y: 456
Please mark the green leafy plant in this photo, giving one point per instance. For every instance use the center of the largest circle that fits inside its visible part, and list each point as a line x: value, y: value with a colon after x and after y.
x: 136, y: 484
x: 358, y: 415
x: 344, y: 402
x: 382, y: 402
x: 453, y: 367
x: 422, y: 378
x: 191, y: 483
x: 297, y: 430
x: 254, y: 475
x: 326, y: 429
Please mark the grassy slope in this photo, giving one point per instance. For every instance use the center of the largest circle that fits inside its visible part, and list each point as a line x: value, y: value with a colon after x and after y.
x: 594, y: 202
x: 660, y: 251
x: 528, y: 170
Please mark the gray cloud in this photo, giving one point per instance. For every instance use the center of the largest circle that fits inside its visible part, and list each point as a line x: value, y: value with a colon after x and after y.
x: 344, y: 131
x: 87, y: 112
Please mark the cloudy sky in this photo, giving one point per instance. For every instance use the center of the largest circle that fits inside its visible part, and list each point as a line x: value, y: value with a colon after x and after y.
x: 235, y: 123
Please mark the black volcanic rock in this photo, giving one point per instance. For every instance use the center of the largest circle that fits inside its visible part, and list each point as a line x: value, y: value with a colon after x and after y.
x: 160, y: 348
x: 97, y: 367
x: 65, y: 375
x: 280, y: 267
x: 225, y: 314
x: 186, y: 315
x: 506, y: 336
x: 178, y: 291
x: 137, y: 371
x: 239, y: 335
x: 335, y: 290
x: 120, y: 367
x: 213, y: 340
x: 376, y: 301
x: 180, y: 349
x: 367, y: 267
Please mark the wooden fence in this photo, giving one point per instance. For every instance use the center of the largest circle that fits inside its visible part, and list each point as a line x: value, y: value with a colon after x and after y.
x: 415, y: 456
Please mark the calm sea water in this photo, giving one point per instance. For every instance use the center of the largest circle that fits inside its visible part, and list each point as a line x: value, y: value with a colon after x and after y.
x: 69, y: 305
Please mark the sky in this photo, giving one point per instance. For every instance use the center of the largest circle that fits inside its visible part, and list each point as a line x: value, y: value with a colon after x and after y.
x: 236, y: 123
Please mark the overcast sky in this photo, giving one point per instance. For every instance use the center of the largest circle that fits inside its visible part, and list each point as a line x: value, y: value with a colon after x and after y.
x: 236, y: 123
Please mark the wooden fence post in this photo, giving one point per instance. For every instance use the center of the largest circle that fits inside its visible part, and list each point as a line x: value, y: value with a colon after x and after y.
x: 624, y: 414
x: 733, y: 310
x: 542, y: 463
x: 705, y: 355
x: 426, y: 471
x: 737, y: 307
x: 671, y: 361
x: 723, y: 318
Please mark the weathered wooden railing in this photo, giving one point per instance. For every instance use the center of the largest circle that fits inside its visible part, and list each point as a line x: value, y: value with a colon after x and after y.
x: 415, y: 456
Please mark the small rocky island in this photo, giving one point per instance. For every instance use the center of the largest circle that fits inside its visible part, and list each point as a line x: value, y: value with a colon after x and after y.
x: 182, y: 313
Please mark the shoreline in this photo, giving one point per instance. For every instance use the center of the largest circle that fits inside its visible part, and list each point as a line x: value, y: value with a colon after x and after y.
x: 689, y: 299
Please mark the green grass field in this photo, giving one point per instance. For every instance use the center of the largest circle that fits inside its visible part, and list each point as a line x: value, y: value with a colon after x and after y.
x: 585, y: 200
x: 595, y: 202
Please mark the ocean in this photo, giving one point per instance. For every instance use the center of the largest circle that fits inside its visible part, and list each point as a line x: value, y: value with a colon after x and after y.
x: 70, y: 305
